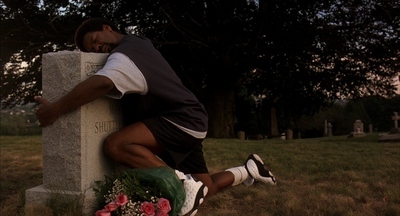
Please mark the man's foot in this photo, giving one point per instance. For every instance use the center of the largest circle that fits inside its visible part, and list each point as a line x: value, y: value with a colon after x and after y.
x: 250, y: 181
x: 255, y: 167
x: 195, y: 193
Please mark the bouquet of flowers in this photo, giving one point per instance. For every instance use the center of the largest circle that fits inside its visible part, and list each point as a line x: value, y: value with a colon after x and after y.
x: 141, y: 192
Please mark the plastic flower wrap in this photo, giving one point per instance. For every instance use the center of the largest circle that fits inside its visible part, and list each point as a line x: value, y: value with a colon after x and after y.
x: 144, y: 192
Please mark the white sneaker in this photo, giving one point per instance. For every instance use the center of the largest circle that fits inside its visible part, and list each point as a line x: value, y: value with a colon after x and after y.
x: 249, y: 181
x: 195, y: 193
x: 255, y: 167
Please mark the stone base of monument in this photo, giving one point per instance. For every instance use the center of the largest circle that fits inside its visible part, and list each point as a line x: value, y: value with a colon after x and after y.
x: 73, y: 157
x: 356, y: 134
x: 41, y: 196
x: 392, y: 136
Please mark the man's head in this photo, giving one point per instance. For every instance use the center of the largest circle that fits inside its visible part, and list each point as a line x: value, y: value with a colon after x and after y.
x: 97, y: 35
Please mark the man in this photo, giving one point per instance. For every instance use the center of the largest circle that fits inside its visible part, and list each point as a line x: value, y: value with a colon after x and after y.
x: 165, y: 123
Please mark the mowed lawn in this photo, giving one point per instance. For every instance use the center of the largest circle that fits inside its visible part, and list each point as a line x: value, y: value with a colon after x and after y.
x: 321, y: 176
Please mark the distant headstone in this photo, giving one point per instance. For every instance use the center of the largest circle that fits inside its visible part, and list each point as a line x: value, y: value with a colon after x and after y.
x: 370, y: 128
x: 241, y: 135
x: 358, y: 129
x: 358, y: 126
x: 395, y: 118
x: 72, y: 146
x: 326, y: 128
x: 289, y: 134
x: 394, y: 133
x: 330, y: 129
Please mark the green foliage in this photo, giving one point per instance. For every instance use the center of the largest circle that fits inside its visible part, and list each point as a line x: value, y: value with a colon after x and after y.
x: 19, y: 121
x: 132, y: 187
x: 380, y: 111
x: 342, y: 115
x: 29, y: 29
x: 16, y: 125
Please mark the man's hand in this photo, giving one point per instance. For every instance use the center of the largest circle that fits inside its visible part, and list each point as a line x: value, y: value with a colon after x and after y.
x: 83, y: 93
x: 46, y: 113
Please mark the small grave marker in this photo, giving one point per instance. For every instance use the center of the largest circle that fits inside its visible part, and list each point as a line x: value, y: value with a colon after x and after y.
x: 358, y: 129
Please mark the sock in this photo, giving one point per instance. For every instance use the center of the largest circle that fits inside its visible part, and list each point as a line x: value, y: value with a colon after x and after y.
x: 240, y: 174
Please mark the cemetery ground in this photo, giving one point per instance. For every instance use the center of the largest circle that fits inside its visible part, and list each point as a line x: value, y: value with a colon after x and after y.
x: 319, y: 176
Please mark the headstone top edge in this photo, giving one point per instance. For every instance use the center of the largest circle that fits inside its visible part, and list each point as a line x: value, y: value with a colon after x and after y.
x: 63, y: 52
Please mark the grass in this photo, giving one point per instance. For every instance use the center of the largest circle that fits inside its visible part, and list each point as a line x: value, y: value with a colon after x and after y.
x: 20, y: 169
x: 321, y: 176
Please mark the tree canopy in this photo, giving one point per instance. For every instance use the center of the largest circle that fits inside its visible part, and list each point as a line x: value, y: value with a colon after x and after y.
x: 296, y: 56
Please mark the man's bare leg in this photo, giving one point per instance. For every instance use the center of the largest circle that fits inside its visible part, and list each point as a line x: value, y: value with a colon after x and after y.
x: 215, y: 182
x: 134, y: 146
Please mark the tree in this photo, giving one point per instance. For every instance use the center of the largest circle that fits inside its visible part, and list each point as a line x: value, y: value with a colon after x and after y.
x: 298, y: 55
x: 29, y: 29
x: 325, y: 51
x: 338, y: 45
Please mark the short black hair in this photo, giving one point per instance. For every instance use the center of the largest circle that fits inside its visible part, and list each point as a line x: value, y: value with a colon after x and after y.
x: 91, y: 25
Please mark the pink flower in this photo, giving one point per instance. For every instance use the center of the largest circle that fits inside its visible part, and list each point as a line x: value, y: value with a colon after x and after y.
x: 147, y: 208
x: 163, y: 205
x: 122, y: 199
x: 111, y: 206
x: 103, y: 212
x: 161, y: 213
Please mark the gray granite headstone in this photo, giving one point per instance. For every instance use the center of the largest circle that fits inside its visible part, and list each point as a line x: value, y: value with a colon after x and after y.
x: 72, y: 146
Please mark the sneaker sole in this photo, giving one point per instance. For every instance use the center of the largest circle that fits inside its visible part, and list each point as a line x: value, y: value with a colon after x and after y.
x: 254, y: 169
x: 203, y: 190
x: 250, y: 181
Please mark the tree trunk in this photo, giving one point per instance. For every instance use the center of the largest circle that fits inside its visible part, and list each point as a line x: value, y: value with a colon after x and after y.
x: 220, y: 108
x: 274, y: 123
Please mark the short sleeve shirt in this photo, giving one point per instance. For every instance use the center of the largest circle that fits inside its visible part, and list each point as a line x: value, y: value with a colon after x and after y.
x: 126, y: 76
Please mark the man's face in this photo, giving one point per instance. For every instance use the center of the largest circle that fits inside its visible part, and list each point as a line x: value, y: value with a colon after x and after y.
x: 100, y: 41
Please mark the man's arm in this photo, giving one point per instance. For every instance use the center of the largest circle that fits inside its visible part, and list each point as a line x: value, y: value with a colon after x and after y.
x: 83, y: 93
